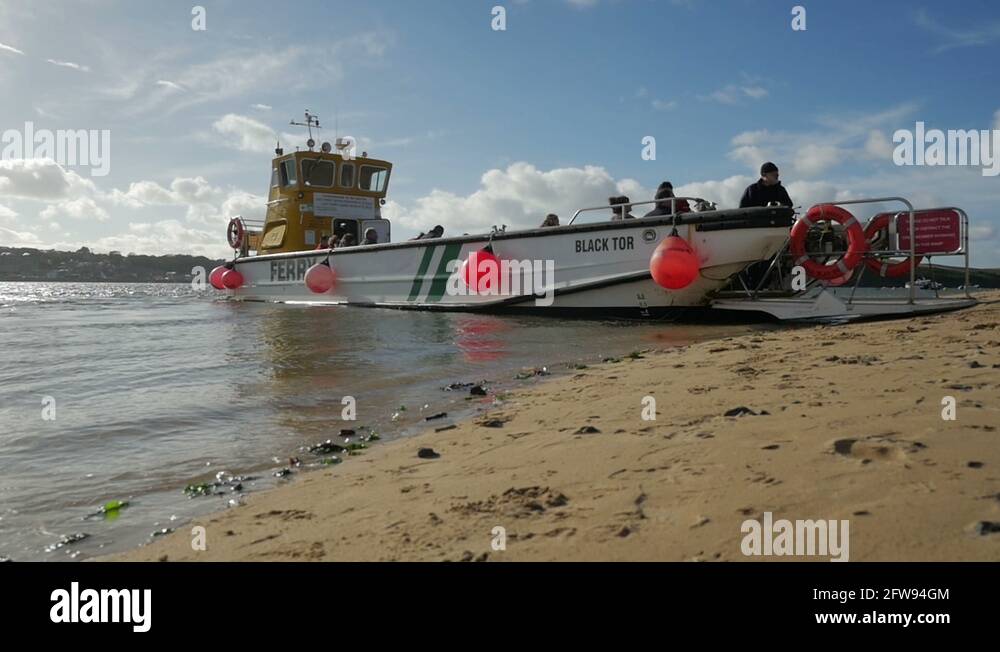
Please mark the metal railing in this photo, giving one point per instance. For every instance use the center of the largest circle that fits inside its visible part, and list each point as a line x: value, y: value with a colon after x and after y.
x: 626, y: 207
x: 911, y: 253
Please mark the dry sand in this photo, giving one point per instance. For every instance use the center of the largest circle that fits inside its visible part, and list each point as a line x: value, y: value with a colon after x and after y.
x: 854, y: 431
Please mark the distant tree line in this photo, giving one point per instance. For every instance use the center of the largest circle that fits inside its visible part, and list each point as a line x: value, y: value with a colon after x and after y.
x: 25, y: 264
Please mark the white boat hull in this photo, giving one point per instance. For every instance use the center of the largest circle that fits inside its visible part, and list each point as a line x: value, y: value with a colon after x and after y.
x: 598, y: 268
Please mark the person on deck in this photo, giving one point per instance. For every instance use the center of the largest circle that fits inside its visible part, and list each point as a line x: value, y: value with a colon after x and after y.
x: 346, y: 241
x: 371, y: 236
x: 622, y: 209
x: 551, y: 220
x: 663, y: 194
x: 324, y: 242
x: 766, y: 190
x: 436, y: 232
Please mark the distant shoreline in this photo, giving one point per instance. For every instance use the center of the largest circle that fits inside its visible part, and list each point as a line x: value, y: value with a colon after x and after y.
x: 20, y: 264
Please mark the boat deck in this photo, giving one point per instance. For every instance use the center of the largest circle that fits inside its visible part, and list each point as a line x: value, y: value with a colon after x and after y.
x: 826, y: 306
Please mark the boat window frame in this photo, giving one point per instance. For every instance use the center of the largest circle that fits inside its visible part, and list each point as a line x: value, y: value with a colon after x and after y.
x: 379, y: 168
x: 320, y: 160
x: 354, y: 177
x: 283, y: 172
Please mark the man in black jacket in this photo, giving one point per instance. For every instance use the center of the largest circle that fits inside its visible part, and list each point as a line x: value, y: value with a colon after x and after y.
x: 767, y: 189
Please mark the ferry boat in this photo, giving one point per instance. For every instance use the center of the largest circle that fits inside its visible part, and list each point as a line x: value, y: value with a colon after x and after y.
x: 595, y: 267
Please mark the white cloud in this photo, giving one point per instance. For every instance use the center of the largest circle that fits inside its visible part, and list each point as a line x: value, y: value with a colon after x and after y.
x: 166, y: 83
x: 36, y: 178
x: 183, y: 190
x: 83, y: 208
x: 163, y: 237
x: 7, y: 214
x: 813, y: 158
x: 10, y: 48
x: 878, y: 146
x: 519, y: 196
x: 838, y: 140
x: 261, y: 107
x: 735, y: 94
x: 203, y: 203
x: 984, y: 34
x: 248, y: 134
x: 664, y: 105
x: 12, y: 238
x: 68, y: 64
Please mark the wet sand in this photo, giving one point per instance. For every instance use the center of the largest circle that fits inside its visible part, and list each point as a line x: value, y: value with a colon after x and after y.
x: 847, y: 425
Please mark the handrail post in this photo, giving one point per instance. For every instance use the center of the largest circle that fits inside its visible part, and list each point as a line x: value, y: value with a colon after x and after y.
x: 913, y: 258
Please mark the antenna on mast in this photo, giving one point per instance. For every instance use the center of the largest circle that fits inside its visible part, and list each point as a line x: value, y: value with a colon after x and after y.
x: 311, y: 122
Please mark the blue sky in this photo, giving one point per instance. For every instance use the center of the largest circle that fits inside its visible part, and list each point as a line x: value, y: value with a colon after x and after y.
x: 484, y: 127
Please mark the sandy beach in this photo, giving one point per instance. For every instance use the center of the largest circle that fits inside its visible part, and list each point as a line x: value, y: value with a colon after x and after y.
x: 841, y: 422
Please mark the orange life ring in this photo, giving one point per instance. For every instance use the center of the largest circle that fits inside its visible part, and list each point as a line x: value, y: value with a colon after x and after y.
x: 235, y: 233
x: 857, y: 245
x: 884, y: 267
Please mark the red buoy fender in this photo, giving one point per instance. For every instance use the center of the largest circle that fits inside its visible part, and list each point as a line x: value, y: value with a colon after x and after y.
x: 320, y: 278
x: 674, y: 265
x: 215, y: 278
x: 476, y: 272
x: 885, y: 267
x: 232, y: 279
x: 857, y: 245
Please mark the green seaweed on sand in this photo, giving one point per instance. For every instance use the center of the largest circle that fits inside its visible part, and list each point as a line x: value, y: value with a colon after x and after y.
x: 195, y: 490
x: 330, y: 461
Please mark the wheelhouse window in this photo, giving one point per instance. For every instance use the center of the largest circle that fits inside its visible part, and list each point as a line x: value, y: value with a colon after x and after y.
x: 318, y: 173
x: 347, y: 175
x: 373, y: 178
x: 274, y: 177
x: 288, y: 172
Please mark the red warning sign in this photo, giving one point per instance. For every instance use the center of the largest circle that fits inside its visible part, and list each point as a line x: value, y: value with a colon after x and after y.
x: 938, y: 231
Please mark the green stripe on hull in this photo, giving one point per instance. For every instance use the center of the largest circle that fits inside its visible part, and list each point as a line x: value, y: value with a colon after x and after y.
x: 418, y: 281
x: 440, y: 282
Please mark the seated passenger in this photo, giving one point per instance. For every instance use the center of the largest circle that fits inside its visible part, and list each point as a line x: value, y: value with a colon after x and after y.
x: 346, y: 241
x: 664, y: 192
x: 766, y: 190
x: 334, y: 241
x: 551, y: 220
x: 436, y: 232
x: 622, y: 210
x: 324, y: 242
x: 371, y: 237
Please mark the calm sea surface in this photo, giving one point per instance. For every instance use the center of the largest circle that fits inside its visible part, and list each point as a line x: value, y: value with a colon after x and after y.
x: 131, y: 392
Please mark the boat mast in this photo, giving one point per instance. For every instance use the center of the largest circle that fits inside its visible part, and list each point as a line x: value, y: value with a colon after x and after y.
x: 312, y: 120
